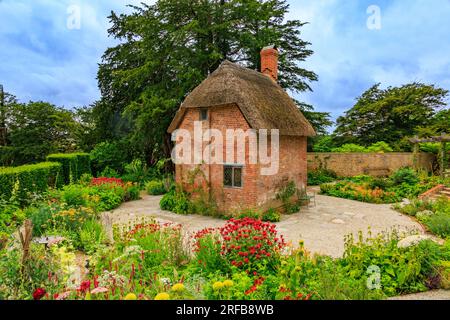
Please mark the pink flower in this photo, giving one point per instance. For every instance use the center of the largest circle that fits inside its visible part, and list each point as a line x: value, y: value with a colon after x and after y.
x: 99, y: 290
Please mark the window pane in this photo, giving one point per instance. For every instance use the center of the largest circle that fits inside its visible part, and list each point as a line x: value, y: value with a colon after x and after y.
x: 238, y: 177
x: 228, y: 177
x: 203, y: 114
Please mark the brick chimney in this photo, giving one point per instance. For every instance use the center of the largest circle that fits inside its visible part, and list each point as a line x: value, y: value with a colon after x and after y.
x: 269, y: 62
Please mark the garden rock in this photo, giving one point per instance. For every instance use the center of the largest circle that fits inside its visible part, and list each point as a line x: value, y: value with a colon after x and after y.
x: 338, y: 221
x: 413, y: 241
x: 49, y: 241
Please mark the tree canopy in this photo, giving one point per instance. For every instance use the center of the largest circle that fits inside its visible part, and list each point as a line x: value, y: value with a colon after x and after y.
x: 393, y: 114
x: 36, y: 129
x: 168, y: 48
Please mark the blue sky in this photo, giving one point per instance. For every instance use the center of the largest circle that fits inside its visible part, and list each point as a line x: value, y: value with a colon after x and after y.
x: 42, y: 59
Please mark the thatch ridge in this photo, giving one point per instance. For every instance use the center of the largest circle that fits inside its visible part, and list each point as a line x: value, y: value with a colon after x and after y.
x: 262, y: 101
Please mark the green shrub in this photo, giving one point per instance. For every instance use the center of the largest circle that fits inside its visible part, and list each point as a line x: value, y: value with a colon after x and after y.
x: 380, y: 146
x: 405, y: 175
x: 74, y: 165
x: 109, y: 154
x: 109, y: 197
x: 288, y: 195
x: 318, y: 177
x: 402, y: 270
x: 350, y: 148
x: 324, y: 144
x: 208, y: 250
x: 91, y: 236
x: 136, y: 171
x: 17, y: 286
x: 176, y: 201
x: 271, y: 215
x: 360, y: 192
x: 414, y: 207
x: 249, y: 213
x: 41, y: 217
x: 36, y: 178
x: 74, y: 195
x: 439, y: 224
x: 85, y: 179
x: 132, y: 193
x: 109, y: 173
x: 11, y: 217
x: 155, y: 187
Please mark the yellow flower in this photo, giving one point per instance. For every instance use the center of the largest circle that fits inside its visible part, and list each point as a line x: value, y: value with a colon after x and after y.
x: 130, y: 296
x: 179, y: 287
x: 162, y: 296
x: 228, y: 283
x: 217, y: 286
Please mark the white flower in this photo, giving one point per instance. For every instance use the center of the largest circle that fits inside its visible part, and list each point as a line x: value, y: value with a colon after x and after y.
x: 166, y: 281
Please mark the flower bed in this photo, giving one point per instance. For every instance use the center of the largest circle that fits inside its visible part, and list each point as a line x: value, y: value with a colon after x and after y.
x: 246, y: 259
x: 405, y: 183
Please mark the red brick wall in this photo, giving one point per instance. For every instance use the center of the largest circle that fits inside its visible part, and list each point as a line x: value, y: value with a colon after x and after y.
x: 228, y: 199
x: 257, y: 189
x: 293, y: 167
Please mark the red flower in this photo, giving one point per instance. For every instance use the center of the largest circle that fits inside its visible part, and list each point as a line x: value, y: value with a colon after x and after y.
x: 85, y: 286
x: 39, y: 293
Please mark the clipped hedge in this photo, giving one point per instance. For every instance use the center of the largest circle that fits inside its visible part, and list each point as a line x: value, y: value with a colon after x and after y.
x: 74, y: 165
x: 29, y: 178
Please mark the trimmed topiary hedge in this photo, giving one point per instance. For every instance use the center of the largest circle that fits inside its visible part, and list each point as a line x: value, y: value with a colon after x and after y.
x: 74, y: 165
x: 29, y: 178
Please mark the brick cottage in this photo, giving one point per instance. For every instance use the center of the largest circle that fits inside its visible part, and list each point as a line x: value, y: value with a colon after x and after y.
x: 234, y: 97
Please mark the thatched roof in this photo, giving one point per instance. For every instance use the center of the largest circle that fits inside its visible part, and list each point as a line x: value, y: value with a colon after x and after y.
x: 264, y: 104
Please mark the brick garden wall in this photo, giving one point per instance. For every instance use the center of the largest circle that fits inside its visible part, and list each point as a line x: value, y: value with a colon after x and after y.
x: 376, y: 164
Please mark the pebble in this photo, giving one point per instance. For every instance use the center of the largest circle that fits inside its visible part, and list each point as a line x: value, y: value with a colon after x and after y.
x: 338, y: 221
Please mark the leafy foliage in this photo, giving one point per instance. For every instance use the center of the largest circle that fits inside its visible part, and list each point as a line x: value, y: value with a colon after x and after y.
x: 170, y: 47
x: 155, y: 187
x: 23, y: 180
x: 36, y: 129
x: 404, y: 183
x: 108, y: 155
x: 74, y: 165
x: 390, y: 114
x: 176, y: 201
x: 320, y: 176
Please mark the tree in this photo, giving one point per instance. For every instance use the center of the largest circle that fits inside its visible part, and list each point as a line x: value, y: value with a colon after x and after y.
x: 439, y: 124
x: 390, y: 115
x: 36, y: 129
x: 168, y: 48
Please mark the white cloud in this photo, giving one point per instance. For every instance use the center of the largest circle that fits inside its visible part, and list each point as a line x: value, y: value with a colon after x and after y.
x: 42, y: 59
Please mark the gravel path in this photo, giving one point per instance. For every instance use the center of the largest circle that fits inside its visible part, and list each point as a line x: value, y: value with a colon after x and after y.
x: 322, y: 227
x: 430, y: 295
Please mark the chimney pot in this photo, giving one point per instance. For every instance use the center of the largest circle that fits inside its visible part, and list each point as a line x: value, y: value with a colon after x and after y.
x: 269, y: 62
